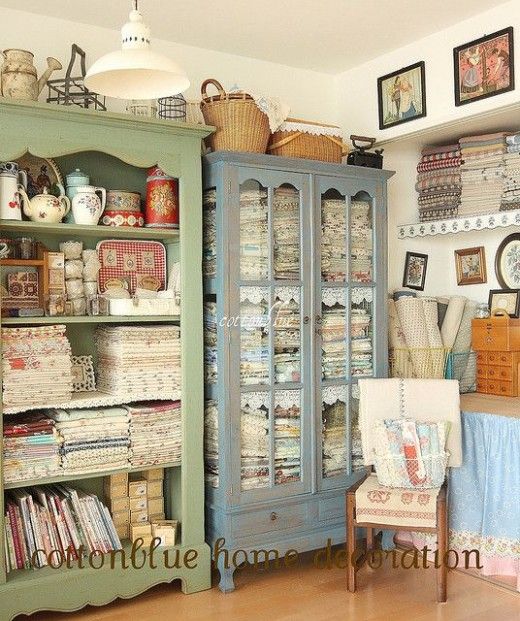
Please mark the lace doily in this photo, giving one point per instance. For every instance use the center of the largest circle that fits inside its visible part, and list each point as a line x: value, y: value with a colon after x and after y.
x: 355, y: 391
x: 359, y: 295
x: 286, y: 294
x: 331, y: 296
x: 331, y: 394
x: 309, y: 128
x: 287, y: 398
x: 255, y: 295
x: 255, y: 400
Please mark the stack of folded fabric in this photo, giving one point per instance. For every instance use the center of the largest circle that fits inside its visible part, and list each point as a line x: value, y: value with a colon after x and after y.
x: 482, y: 173
x: 334, y: 451
x: 511, y: 195
x: 253, y: 235
x: 334, y: 345
x: 254, y: 445
x: 360, y: 241
x: 139, y: 362
x: 92, y: 440
x: 439, y: 182
x: 211, y: 442
x: 210, y: 342
x: 287, y: 442
x: 361, y: 344
x: 209, y: 256
x: 31, y: 447
x: 155, y: 433
x: 333, y: 240
x: 254, y: 343
x: 286, y: 208
x: 36, y: 366
x: 287, y: 341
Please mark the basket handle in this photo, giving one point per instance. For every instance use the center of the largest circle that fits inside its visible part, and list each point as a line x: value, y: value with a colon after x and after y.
x: 287, y: 139
x: 216, y: 84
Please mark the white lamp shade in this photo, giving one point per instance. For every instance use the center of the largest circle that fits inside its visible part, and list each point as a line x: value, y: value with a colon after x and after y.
x: 136, y: 74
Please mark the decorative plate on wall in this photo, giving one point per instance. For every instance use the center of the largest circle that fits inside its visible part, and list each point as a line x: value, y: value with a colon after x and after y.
x: 41, y: 173
x: 507, y: 262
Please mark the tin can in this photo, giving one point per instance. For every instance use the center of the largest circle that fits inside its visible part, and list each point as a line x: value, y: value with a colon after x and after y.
x: 162, y: 200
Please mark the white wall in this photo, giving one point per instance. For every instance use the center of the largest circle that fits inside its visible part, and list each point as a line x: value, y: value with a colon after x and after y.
x: 310, y: 94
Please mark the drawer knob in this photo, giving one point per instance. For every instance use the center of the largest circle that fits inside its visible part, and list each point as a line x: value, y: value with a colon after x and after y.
x: 491, y: 372
x: 274, y: 516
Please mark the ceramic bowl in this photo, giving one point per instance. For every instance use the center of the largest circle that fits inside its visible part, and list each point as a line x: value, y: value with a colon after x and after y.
x: 122, y: 200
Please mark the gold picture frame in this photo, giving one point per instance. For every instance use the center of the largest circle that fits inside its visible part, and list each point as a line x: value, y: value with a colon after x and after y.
x: 470, y: 264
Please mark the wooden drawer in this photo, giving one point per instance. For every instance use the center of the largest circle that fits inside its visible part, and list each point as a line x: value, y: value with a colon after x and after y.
x: 330, y: 509
x: 500, y: 373
x: 506, y: 389
x: 482, y: 385
x: 266, y: 521
x: 496, y: 334
x: 502, y: 358
x: 482, y: 371
x: 482, y: 357
x: 492, y: 387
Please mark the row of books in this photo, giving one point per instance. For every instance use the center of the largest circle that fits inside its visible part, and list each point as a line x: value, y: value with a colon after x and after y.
x: 47, y: 525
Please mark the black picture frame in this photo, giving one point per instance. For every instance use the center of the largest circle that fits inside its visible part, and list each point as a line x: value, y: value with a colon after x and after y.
x: 516, y: 292
x: 410, y: 256
x: 421, y: 66
x: 472, y: 44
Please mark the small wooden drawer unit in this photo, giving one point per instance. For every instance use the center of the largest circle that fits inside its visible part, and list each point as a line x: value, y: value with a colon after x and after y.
x: 496, y: 334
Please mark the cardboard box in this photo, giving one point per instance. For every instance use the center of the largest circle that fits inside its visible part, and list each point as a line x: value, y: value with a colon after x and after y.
x: 155, y: 488
x: 115, y: 505
x: 137, y: 488
x: 57, y: 279
x: 122, y: 530
x: 155, y: 505
x: 137, y: 517
x: 115, y: 491
x: 121, y: 517
x: 166, y: 531
x: 139, y: 504
x: 56, y: 260
x: 140, y: 530
x: 121, y: 478
x: 155, y: 474
x: 156, y: 517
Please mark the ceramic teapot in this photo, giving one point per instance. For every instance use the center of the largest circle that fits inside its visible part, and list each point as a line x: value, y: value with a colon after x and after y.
x: 87, y: 206
x: 19, y: 75
x: 46, y: 207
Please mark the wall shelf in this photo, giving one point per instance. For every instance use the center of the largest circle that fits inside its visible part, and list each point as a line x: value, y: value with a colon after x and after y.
x: 499, y: 219
x: 43, y: 321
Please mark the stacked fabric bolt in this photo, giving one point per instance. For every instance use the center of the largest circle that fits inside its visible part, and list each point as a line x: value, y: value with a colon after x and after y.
x: 482, y: 173
x: 286, y: 214
x: 254, y: 343
x: 36, y: 366
x: 334, y: 451
x: 334, y: 346
x: 361, y: 344
x: 139, y: 362
x: 439, y: 182
x: 511, y: 194
x: 360, y: 241
x: 355, y: 432
x: 209, y: 256
x: 155, y: 433
x: 333, y: 240
x: 287, y: 442
x: 210, y: 342
x: 92, y: 440
x: 31, y: 447
x: 211, y: 442
x: 253, y: 235
x: 254, y: 449
x: 287, y: 341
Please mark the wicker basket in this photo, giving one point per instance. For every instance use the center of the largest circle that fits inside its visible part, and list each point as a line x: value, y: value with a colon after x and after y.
x: 241, y: 125
x: 308, y: 146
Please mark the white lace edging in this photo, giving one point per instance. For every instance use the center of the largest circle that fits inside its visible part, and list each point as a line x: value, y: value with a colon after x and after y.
x: 309, y: 128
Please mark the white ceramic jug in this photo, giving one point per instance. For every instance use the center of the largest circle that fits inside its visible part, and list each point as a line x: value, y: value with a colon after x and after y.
x: 12, y: 180
x: 87, y: 206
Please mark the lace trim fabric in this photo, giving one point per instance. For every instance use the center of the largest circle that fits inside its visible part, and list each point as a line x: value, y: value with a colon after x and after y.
x: 255, y: 400
x: 309, y: 128
x: 359, y: 295
x: 331, y: 394
x: 287, y: 398
x: 255, y: 295
x: 330, y: 296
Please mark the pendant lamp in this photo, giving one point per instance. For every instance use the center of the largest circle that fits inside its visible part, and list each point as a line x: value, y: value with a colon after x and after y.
x: 135, y: 71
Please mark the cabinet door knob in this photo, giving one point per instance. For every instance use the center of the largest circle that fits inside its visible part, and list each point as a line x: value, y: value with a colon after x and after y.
x: 274, y: 516
x: 318, y: 319
x: 306, y: 319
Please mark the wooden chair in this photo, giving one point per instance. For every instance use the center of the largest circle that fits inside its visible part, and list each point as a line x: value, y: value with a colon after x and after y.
x: 406, y: 508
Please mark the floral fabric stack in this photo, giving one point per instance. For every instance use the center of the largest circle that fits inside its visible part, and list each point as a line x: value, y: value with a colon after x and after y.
x: 287, y: 342
x: 483, y: 175
x: 334, y: 450
x: 139, y: 362
x: 92, y: 440
x: 286, y: 207
x: 254, y: 343
x: 210, y: 343
x: 361, y: 344
x: 254, y: 246
x: 361, y: 241
x: 36, y: 367
x: 439, y: 182
x: 334, y: 346
x: 211, y: 442
x: 155, y: 433
x: 209, y: 256
x: 254, y: 450
x: 511, y: 194
x: 333, y: 240
x: 31, y: 447
x: 287, y: 442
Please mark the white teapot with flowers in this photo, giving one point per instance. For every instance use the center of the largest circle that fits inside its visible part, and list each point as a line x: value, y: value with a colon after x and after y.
x: 46, y: 207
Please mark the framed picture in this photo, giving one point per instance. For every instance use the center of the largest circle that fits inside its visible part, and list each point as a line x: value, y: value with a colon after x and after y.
x: 471, y: 266
x: 506, y: 301
x: 401, y: 96
x: 415, y: 270
x: 507, y: 262
x: 484, y: 67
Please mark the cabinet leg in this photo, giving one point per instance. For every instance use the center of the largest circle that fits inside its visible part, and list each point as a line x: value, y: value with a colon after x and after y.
x: 226, y: 583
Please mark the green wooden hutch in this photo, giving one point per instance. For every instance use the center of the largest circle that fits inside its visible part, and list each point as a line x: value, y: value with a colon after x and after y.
x: 116, y: 149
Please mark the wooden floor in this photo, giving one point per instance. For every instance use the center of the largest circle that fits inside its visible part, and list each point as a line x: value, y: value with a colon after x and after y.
x: 305, y: 593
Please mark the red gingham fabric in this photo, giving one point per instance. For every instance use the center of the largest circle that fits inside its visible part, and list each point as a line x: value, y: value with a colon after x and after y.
x: 126, y: 250
x: 449, y: 163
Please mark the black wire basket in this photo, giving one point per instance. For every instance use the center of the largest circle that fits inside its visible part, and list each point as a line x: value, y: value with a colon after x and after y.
x: 172, y: 108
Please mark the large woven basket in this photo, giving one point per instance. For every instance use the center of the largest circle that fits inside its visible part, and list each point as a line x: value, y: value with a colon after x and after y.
x: 306, y: 145
x: 241, y: 125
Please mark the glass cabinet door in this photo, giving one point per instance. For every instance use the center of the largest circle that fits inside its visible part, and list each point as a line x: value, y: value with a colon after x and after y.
x: 273, y: 331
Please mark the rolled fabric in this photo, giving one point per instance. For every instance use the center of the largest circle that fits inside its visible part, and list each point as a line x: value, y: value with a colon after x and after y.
x: 462, y: 344
x: 411, y: 316
x: 397, y: 343
x: 452, y: 319
x: 403, y: 293
x: 442, y: 307
x: 434, y: 337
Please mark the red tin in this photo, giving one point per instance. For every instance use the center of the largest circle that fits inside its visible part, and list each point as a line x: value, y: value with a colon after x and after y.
x: 162, y: 200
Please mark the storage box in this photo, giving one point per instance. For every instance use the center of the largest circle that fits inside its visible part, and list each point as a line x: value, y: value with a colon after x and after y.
x: 138, y: 517
x: 166, y: 530
x: 56, y: 260
x: 155, y: 505
x: 116, y: 505
x: 137, y: 488
x: 496, y: 334
x: 122, y: 530
x: 140, y: 530
x: 115, y: 491
x: 144, y: 306
x: 121, y: 478
x: 121, y: 517
x: 155, y: 488
x: 156, y: 517
x: 155, y: 474
x: 140, y: 503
